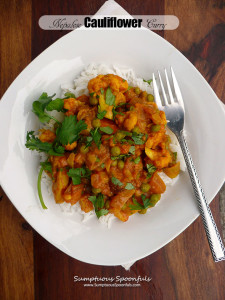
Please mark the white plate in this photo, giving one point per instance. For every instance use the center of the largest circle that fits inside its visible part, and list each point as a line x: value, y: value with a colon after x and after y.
x: 92, y: 242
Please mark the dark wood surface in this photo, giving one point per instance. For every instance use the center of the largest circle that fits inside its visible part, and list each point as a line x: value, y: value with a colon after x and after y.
x: 30, y: 267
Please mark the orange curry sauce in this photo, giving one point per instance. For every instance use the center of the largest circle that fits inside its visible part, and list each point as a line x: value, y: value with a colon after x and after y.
x: 124, y: 168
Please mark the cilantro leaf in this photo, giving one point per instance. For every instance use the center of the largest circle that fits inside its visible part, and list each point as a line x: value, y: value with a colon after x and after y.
x: 121, y: 156
x: 102, y: 91
x: 98, y: 202
x: 107, y: 130
x: 117, y: 113
x: 138, y: 206
x: 129, y: 186
x: 137, y: 160
x: 109, y: 97
x: 132, y: 150
x: 47, y: 166
x: 95, y: 136
x: 56, y: 104
x: 39, y: 106
x: 33, y: 143
x: 137, y: 138
x: 151, y: 169
x: 77, y: 174
x: 101, y: 113
x: 116, y: 181
x: 148, y: 81
x: 69, y: 95
x: 70, y: 130
x: 101, y: 212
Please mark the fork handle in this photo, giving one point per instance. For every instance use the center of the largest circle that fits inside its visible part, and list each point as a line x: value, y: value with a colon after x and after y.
x: 214, y: 239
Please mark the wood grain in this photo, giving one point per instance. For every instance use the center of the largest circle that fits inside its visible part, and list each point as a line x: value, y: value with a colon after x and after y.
x: 16, y: 243
x: 184, y: 268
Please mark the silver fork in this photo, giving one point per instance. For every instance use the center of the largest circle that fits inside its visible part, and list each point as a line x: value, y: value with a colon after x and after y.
x: 175, y: 115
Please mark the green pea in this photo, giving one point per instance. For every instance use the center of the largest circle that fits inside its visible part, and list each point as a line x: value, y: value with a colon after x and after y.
x: 93, y: 101
x: 120, y: 135
x: 84, y: 149
x: 120, y: 164
x: 150, y: 98
x: 143, y: 211
x: 136, y: 130
x: 114, y: 163
x: 155, y: 198
x: 145, y: 187
x: 96, y: 191
x: 115, y: 151
x: 96, y: 123
x: 155, y: 128
x: 137, y: 90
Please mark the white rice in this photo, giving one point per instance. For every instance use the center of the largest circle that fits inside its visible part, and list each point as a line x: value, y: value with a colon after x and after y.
x: 79, y: 88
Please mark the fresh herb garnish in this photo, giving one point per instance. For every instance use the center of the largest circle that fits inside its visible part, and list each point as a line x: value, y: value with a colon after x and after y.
x: 138, y: 206
x: 109, y: 97
x: 39, y: 188
x: 102, y: 91
x: 151, y: 169
x: 101, y: 113
x: 117, y: 113
x: 77, y: 174
x: 137, y: 160
x: 47, y: 166
x: 137, y: 138
x: 39, y: 107
x: 33, y: 143
x: 70, y: 130
x: 98, y: 202
x: 107, y: 130
x: 56, y: 104
x: 129, y: 186
x: 148, y: 81
x: 95, y: 136
x: 121, y: 156
x: 132, y: 150
x: 116, y: 181
x: 69, y: 95
x: 102, y: 165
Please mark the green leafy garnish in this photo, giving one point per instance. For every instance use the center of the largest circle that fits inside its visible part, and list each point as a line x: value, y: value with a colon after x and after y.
x: 116, y: 181
x: 137, y: 160
x: 132, y: 150
x: 101, y: 113
x: 174, y: 156
x: 47, y: 166
x: 102, y: 165
x: 129, y: 186
x: 77, y: 174
x: 148, y: 81
x: 138, y: 206
x: 98, y: 202
x: 39, y: 188
x: 121, y: 156
x: 70, y: 130
x: 39, y: 107
x: 95, y: 136
x: 107, y: 130
x: 56, y: 104
x: 151, y: 169
x: 102, y: 91
x: 33, y: 143
x: 69, y: 95
x: 109, y: 97
x: 117, y: 113
x: 137, y: 138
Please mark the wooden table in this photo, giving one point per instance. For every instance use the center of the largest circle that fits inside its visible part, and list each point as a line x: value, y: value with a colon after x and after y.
x: 30, y: 267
